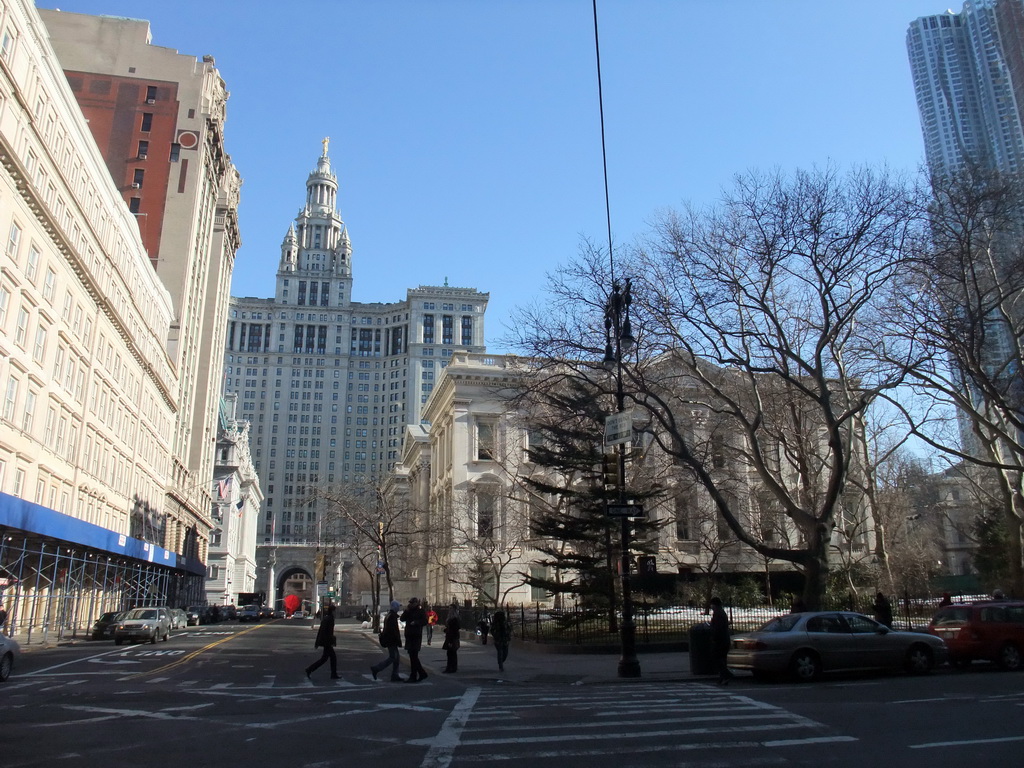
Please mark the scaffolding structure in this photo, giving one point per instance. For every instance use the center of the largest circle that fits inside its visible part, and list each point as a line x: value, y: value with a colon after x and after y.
x: 54, y: 589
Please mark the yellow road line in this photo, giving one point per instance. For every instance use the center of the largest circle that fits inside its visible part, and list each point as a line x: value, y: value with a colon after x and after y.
x: 204, y: 649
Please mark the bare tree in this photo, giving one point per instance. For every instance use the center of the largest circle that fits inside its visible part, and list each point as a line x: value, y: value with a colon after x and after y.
x: 760, y: 315
x: 962, y: 306
x: 486, y: 554
x: 376, y: 532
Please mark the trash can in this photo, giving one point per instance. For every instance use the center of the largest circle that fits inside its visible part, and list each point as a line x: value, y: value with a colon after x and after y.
x: 702, y: 661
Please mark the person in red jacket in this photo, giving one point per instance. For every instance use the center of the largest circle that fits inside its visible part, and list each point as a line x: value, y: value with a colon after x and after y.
x: 431, y: 621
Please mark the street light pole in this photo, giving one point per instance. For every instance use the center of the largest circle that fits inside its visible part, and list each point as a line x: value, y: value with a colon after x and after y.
x: 618, y: 341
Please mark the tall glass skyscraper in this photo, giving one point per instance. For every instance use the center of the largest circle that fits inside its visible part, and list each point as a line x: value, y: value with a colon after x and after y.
x: 968, y: 71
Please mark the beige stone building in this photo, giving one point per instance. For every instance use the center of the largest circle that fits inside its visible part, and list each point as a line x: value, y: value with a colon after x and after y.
x: 110, y: 402
x: 463, y: 469
x: 158, y: 117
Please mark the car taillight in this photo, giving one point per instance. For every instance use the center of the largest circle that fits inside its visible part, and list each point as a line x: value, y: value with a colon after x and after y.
x: 750, y: 645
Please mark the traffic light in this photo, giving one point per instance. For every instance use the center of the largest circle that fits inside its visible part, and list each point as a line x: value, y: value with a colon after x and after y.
x: 610, y: 470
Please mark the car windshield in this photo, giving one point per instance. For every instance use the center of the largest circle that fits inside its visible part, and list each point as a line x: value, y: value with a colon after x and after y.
x: 781, y: 624
x: 142, y: 613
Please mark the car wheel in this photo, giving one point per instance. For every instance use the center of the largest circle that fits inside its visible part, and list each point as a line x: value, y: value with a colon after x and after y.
x: 152, y: 638
x: 1009, y: 657
x: 167, y: 636
x: 919, y: 660
x: 805, y: 666
x: 6, y: 665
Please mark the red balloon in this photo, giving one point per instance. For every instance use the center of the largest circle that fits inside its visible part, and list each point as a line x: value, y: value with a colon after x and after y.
x: 292, y: 603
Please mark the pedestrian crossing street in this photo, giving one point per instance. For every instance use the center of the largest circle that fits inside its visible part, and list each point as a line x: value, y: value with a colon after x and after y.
x: 629, y: 721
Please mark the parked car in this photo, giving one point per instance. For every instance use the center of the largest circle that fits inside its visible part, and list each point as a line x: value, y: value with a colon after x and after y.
x: 988, y: 630
x: 805, y: 645
x: 194, y: 616
x: 9, y: 653
x: 280, y: 613
x: 103, y: 628
x: 179, y: 619
x: 249, y: 613
x: 143, y: 624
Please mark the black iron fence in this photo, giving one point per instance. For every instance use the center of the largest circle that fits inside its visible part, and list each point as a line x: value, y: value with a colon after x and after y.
x: 672, y: 624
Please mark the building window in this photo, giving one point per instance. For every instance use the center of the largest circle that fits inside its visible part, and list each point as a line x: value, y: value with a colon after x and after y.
x: 143, y: 152
x: 133, y: 204
x: 50, y: 285
x: 150, y: 94
x: 682, y: 515
x: 486, y: 441
x: 10, y: 398
x: 39, y: 350
x: 176, y: 155
x: 32, y: 267
x: 13, y: 238
x: 21, y: 331
x: 7, y: 45
x: 138, y: 177
x: 147, y: 121
x: 486, y: 511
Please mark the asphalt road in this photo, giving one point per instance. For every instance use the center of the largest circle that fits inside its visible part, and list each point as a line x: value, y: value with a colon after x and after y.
x: 236, y: 695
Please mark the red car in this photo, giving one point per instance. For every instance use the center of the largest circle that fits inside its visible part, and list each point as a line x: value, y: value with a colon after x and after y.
x: 989, y: 630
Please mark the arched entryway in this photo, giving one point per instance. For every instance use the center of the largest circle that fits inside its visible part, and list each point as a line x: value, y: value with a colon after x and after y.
x: 299, y: 582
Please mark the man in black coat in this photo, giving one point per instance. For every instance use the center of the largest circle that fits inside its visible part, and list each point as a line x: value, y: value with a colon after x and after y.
x: 391, y: 639
x: 720, y: 640
x: 415, y: 619
x: 325, y: 639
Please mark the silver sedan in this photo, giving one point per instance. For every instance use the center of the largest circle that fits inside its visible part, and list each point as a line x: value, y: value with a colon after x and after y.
x: 806, y: 644
x: 9, y: 652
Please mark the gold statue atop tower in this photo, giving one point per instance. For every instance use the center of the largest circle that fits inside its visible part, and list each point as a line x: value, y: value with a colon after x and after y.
x: 326, y: 141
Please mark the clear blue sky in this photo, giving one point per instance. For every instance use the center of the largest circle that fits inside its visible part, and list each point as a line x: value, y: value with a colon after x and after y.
x: 465, y: 133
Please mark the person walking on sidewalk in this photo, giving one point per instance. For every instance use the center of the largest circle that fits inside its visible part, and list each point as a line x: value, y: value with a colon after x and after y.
x: 502, y: 634
x: 415, y: 620
x: 325, y: 639
x: 391, y: 639
x: 451, y: 640
x: 883, y: 610
x: 720, y: 640
x: 431, y: 621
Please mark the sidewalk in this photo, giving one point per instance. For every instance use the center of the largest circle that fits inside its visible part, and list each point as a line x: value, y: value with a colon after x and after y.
x: 529, y: 663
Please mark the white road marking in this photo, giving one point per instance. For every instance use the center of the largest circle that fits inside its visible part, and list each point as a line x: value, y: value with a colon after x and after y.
x: 47, y: 670
x: 965, y: 742
x: 443, y: 746
x: 810, y: 740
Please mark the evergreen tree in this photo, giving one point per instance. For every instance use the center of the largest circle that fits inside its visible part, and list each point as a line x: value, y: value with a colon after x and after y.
x: 579, y: 541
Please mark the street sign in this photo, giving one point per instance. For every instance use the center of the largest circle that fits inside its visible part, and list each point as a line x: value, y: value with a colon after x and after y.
x: 626, y: 510
x: 321, y: 588
x: 618, y: 428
